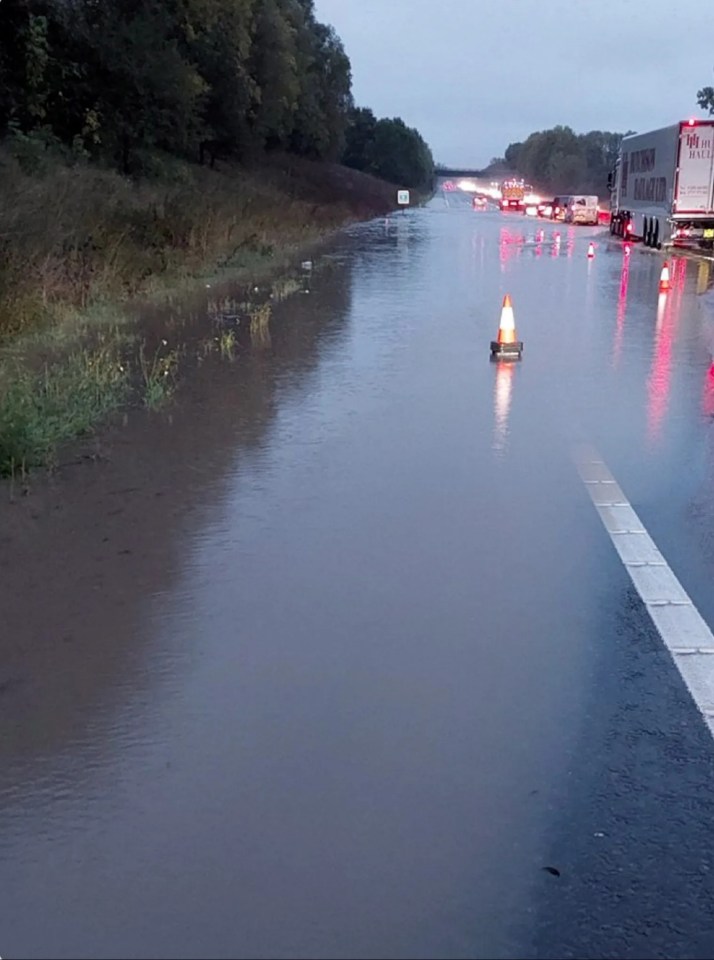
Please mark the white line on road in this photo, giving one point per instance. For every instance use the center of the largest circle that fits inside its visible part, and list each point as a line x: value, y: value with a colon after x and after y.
x: 683, y: 630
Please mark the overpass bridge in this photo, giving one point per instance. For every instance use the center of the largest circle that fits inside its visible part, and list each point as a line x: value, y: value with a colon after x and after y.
x: 447, y: 173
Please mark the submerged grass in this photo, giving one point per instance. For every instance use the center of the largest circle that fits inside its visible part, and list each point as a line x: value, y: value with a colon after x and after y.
x: 41, y: 409
x: 158, y: 374
x: 75, y: 237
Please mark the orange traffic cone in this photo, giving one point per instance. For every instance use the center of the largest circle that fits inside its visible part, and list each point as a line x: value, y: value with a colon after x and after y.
x: 591, y: 251
x: 664, y: 278
x: 506, y: 346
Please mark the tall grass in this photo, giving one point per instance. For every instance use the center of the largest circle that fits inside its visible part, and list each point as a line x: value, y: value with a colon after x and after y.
x: 75, y: 241
x: 81, y: 235
x: 41, y: 409
x: 158, y: 374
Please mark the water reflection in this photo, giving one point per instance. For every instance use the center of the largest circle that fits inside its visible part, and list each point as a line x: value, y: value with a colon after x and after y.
x: 621, y: 310
x: 502, y: 391
x: 570, y: 246
x: 67, y: 674
x: 708, y: 393
x: 659, y: 380
x: 509, y: 246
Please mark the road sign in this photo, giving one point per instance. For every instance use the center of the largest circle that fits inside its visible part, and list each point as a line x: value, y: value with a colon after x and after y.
x: 402, y: 197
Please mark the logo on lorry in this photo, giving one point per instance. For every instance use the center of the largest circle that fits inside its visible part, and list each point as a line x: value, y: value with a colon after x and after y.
x: 698, y: 147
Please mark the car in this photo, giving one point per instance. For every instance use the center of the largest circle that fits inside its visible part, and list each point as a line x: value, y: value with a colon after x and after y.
x: 479, y: 203
x: 545, y: 209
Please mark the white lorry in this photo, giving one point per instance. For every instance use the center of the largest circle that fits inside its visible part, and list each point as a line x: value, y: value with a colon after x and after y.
x: 662, y: 188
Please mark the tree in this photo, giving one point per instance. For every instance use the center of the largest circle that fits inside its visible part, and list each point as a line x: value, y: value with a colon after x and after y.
x: 389, y: 149
x: 218, y: 37
x: 359, y: 139
x: 559, y: 160
x: 122, y: 80
x: 24, y: 59
x: 705, y: 99
x: 274, y: 70
x: 512, y: 154
x: 136, y: 82
x: 325, y: 98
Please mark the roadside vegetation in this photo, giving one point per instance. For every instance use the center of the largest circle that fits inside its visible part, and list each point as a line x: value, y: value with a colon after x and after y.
x: 144, y: 145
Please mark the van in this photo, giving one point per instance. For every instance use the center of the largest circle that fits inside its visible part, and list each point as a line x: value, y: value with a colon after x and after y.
x: 582, y: 209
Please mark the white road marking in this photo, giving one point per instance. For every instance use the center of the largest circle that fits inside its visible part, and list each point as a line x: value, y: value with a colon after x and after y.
x: 682, y: 628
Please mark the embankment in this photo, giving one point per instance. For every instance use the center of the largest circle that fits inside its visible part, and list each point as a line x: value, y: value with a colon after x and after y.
x: 77, y: 243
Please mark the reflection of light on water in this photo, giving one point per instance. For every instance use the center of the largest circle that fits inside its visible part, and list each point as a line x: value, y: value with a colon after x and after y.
x: 703, y: 275
x: 660, y: 375
x: 502, y: 405
x: 679, y: 273
x: 509, y: 246
x: 621, y: 310
x: 661, y: 305
x: 708, y: 397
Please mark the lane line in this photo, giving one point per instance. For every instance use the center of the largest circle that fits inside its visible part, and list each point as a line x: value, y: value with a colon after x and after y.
x: 682, y: 628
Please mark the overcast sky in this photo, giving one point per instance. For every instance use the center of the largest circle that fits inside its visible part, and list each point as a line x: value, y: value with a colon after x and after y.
x: 475, y: 75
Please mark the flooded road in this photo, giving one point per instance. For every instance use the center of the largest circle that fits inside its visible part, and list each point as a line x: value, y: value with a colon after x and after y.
x: 333, y: 658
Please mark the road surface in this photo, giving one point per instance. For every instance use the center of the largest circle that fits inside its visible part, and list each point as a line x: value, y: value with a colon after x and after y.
x: 336, y: 658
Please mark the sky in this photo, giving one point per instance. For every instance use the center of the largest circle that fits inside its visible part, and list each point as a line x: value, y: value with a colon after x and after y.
x: 475, y: 75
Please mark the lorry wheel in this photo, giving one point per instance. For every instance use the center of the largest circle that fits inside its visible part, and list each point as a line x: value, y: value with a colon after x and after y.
x: 655, y: 239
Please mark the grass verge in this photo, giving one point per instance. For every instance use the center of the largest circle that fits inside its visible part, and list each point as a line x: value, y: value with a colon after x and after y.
x: 41, y: 409
x: 75, y: 242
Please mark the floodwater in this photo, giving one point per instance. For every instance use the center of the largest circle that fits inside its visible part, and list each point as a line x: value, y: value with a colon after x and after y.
x: 301, y: 666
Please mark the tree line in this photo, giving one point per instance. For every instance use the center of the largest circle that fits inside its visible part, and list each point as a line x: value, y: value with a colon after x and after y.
x: 562, y: 161
x: 120, y: 82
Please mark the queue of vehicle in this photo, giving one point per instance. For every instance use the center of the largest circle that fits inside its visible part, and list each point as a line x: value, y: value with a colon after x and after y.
x: 661, y: 190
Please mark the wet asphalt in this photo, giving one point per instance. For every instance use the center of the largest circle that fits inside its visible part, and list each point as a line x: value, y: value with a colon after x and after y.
x: 335, y: 658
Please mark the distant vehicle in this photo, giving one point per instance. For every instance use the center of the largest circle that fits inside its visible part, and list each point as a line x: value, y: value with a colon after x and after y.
x: 560, y: 205
x: 581, y: 209
x: 663, y: 184
x: 545, y: 209
x: 449, y: 186
x: 513, y: 195
x: 479, y: 203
